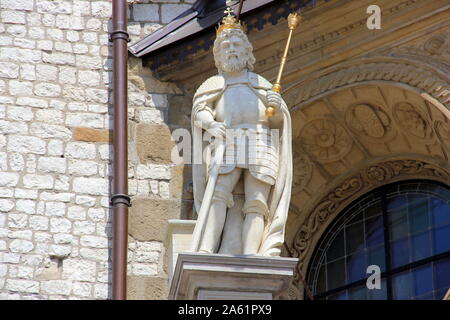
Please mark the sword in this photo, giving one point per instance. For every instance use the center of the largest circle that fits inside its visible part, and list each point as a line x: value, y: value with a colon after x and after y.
x: 208, y: 194
x: 294, y: 20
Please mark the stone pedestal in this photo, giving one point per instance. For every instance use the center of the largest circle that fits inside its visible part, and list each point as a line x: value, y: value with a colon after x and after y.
x: 220, y: 277
x: 178, y: 239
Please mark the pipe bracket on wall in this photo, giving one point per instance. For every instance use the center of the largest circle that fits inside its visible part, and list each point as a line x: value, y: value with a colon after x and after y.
x: 119, y: 34
x: 120, y: 198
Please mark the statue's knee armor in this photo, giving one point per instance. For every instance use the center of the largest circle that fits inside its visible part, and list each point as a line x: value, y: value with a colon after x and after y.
x: 256, y: 205
x: 221, y: 193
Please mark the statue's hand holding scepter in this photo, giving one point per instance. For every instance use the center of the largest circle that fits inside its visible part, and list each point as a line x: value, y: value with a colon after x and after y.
x: 293, y: 22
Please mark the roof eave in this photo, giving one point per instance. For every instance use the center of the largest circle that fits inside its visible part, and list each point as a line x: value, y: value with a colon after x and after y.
x: 155, y: 41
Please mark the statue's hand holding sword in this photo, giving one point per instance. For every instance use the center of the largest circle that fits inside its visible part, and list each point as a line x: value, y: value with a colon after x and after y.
x: 213, y: 175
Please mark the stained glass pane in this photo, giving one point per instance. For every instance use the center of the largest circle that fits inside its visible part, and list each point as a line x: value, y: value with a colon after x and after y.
x: 322, y: 280
x: 356, y: 266
x: 400, y: 252
x: 377, y: 256
x: 441, y: 239
x: 442, y: 271
x: 373, y: 210
x: 402, y: 286
x: 421, y: 246
x: 398, y: 224
x: 397, y: 203
x: 374, y: 231
x: 354, y: 236
x: 358, y: 293
x: 418, y: 213
x: 339, y: 296
x: 423, y: 280
x: 426, y: 296
x: 440, y: 212
x: 337, y: 250
x: 378, y: 294
x: 335, y: 274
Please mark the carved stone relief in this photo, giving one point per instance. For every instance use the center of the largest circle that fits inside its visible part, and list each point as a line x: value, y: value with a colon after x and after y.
x: 369, y: 122
x: 325, y: 140
x: 303, y: 168
x: 413, y: 121
x: 339, y: 130
x: 443, y: 132
x: 436, y: 45
x: 368, y: 116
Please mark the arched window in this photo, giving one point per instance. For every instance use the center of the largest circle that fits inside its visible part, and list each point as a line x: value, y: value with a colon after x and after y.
x: 404, y: 229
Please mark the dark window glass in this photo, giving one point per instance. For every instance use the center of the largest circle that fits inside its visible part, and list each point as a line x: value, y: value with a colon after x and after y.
x: 442, y: 271
x: 439, y: 210
x: 337, y: 250
x: 374, y: 231
x: 421, y: 246
x: 339, y: 296
x: 356, y: 266
x: 402, y: 286
x: 377, y: 256
x: 418, y: 213
x: 354, y: 235
x: 402, y: 228
x: 336, y: 274
x: 400, y: 252
x: 358, y: 293
x: 442, y: 239
x: 423, y: 280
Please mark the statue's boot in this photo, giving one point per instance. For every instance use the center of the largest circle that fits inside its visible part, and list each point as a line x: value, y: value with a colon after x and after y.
x: 254, y: 210
x: 214, y: 226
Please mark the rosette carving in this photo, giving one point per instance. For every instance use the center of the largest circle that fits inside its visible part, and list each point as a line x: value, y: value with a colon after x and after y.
x: 325, y: 140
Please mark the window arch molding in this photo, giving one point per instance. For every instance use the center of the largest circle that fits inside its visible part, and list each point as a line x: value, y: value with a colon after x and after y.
x: 359, y: 182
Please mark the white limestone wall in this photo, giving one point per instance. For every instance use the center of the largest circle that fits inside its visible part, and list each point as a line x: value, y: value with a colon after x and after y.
x: 55, y: 73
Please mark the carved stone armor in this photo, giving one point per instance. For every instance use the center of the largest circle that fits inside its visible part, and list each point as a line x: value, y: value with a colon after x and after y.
x: 249, y: 142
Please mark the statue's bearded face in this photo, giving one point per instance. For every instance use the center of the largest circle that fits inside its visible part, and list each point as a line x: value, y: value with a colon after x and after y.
x: 233, y: 54
x: 233, y: 51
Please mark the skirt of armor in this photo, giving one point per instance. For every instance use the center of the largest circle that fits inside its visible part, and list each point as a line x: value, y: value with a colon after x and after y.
x: 256, y: 150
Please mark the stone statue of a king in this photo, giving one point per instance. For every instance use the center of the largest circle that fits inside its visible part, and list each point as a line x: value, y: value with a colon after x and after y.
x: 256, y: 147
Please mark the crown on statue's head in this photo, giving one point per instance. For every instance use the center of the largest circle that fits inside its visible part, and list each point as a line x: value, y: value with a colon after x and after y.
x: 229, y: 22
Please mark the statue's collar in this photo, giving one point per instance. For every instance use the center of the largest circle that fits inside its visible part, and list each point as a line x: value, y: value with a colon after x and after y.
x: 240, y: 79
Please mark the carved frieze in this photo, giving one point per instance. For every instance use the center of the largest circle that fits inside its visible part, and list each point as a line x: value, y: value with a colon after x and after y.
x: 436, y: 47
x: 415, y: 76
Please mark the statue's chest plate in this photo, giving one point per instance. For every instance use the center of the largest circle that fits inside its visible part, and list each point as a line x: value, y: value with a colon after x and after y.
x: 239, y: 104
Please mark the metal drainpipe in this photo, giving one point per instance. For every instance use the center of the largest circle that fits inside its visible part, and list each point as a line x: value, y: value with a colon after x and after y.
x: 120, y: 201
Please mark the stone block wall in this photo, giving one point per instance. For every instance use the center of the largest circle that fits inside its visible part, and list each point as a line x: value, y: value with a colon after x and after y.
x: 55, y: 151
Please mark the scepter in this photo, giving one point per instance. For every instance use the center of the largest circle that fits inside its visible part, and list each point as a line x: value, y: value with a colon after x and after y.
x: 293, y: 22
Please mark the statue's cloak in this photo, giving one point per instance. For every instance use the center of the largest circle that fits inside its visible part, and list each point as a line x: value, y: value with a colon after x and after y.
x: 205, y: 97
